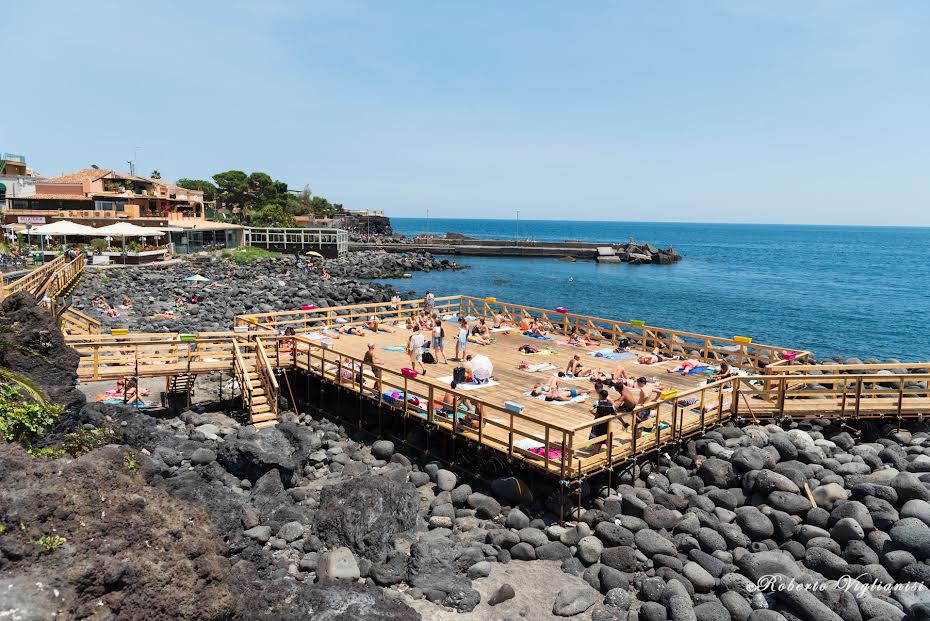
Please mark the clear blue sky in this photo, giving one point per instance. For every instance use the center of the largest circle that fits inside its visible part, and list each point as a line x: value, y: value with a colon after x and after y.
x: 728, y: 111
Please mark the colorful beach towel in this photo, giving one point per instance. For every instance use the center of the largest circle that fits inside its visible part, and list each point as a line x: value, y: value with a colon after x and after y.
x: 467, y: 385
x: 395, y: 348
x: 609, y: 354
x: 529, y: 335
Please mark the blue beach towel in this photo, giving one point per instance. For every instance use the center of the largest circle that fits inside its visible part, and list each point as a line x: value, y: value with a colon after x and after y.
x: 613, y: 355
x: 395, y: 348
x: 118, y: 401
x: 529, y: 335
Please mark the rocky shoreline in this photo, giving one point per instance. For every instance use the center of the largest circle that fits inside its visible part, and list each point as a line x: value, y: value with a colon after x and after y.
x: 200, y: 516
x: 262, y: 286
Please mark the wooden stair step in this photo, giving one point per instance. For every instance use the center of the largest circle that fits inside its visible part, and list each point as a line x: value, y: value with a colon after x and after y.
x: 261, y: 409
x: 262, y: 417
x: 266, y: 423
x: 258, y: 400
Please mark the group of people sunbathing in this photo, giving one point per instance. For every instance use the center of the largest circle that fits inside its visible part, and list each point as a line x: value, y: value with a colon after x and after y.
x: 102, y: 305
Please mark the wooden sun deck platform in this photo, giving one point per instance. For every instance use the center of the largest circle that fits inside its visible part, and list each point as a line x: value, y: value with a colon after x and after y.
x: 774, y: 383
x: 511, y: 383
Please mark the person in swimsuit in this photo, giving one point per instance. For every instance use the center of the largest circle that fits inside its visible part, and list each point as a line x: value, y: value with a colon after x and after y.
x: 500, y: 321
x: 576, y: 368
x: 372, y: 360
x: 602, y: 407
x: 724, y: 372
x: 647, y: 394
x: 462, y: 340
x: 415, y: 350
x: 439, y: 334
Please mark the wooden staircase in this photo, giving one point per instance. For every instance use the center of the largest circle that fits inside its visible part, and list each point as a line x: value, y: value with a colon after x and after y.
x: 257, y: 383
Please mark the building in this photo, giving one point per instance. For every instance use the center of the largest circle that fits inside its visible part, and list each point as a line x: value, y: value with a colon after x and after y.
x: 98, y: 197
x: 16, y: 179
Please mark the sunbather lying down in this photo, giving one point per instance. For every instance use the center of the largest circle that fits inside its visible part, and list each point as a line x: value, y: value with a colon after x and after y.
x: 686, y: 365
x: 553, y: 391
x: 655, y: 357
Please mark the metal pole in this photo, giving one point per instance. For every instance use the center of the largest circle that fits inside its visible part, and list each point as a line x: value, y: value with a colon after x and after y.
x: 517, y: 236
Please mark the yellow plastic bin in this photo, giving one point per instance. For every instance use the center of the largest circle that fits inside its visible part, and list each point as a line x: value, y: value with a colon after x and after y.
x: 746, y: 340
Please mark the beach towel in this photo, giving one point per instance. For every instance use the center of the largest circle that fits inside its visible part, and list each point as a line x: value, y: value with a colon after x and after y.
x: 501, y: 329
x: 527, y: 444
x: 543, y: 366
x: 609, y: 354
x: 541, y: 352
x: 700, y: 369
x: 117, y: 401
x: 542, y: 398
x: 538, y: 338
x: 395, y: 348
x: 467, y: 385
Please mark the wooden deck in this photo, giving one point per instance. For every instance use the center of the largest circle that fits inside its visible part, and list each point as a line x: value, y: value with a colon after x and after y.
x: 554, y: 437
x: 512, y: 382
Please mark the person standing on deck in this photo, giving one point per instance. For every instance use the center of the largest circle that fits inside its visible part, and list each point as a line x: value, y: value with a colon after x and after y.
x: 462, y: 340
x: 430, y: 302
x: 602, y: 407
x: 439, y: 341
x: 415, y: 350
x: 372, y: 360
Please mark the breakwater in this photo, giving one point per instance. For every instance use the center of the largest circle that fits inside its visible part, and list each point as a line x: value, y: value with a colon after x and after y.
x: 450, y: 244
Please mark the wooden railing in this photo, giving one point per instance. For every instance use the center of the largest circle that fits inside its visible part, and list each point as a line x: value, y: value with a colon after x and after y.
x: 743, y: 354
x: 241, y: 373
x: 434, y: 403
x: 312, y: 319
x: 61, y: 279
x: 746, y: 355
x: 266, y: 373
x: 76, y: 323
x: 151, y: 358
x: 34, y: 280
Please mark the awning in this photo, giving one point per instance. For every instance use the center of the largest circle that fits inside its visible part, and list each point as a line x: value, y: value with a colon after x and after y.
x: 127, y: 229
x: 65, y: 227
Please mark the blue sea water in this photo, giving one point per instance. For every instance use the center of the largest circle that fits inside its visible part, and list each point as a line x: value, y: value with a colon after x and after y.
x: 836, y: 291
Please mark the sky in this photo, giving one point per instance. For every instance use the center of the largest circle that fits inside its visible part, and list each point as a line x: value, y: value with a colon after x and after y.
x: 762, y: 111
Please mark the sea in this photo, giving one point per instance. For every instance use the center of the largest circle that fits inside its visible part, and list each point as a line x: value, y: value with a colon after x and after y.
x: 838, y: 291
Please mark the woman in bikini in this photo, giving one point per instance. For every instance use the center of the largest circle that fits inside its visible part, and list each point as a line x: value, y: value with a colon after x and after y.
x: 576, y: 368
x: 500, y: 321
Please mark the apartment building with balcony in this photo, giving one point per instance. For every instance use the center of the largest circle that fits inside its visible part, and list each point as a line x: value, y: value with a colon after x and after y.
x: 16, y: 179
x: 98, y: 197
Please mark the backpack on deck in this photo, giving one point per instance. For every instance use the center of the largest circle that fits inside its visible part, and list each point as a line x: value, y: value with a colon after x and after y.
x: 428, y: 358
x: 458, y: 375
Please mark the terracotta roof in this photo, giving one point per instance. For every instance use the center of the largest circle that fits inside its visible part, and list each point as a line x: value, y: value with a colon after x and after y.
x: 62, y: 197
x: 80, y: 176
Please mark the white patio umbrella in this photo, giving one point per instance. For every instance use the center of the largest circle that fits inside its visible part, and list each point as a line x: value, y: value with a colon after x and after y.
x: 63, y: 228
x: 481, y: 368
x: 127, y: 229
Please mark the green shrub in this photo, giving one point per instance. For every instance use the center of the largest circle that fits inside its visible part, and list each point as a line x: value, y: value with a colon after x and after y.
x: 22, y: 421
x: 49, y: 542
x: 48, y: 452
x: 99, y: 244
x: 85, y: 440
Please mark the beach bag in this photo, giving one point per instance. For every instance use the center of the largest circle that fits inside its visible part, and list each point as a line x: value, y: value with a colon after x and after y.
x: 407, y: 372
x: 458, y: 375
x: 428, y: 358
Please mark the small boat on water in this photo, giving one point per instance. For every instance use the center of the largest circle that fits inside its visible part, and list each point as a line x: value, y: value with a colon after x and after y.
x: 408, y: 275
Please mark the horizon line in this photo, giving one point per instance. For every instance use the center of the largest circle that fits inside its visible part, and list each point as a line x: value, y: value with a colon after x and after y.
x: 886, y: 226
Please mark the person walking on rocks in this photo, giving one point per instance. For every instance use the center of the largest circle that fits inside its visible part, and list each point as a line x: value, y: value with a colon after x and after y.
x: 415, y: 350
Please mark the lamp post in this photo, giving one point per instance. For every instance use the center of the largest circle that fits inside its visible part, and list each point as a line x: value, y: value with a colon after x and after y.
x: 427, y: 226
x: 517, y: 238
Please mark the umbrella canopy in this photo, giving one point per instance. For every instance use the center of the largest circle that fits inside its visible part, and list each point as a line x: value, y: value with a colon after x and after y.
x: 65, y: 227
x: 313, y: 253
x: 481, y: 367
x: 127, y: 229
x: 197, y: 278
